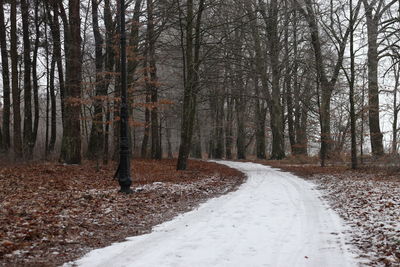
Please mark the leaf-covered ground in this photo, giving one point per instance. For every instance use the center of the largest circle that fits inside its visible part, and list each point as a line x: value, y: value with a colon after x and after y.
x: 368, y: 200
x: 51, y: 213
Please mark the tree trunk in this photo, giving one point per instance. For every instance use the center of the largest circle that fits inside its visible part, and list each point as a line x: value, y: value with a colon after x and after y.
x: 288, y: 83
x: 168, y: 137
x: 56, y: 36
x: 217, y: 118
x: 53, y: 120
x: 117, y: 95
x: 6, y: 142
x: 351, y: 93
x: 260, y: 112
x: 395, y: 109
x: 49, y: 72
x: 71, y: 143
x: 153, y: 86
x: 325, y: 121
x: 146, y: 133
x: 301, y: 100
x: 16, y: 98
x: 97, y: 134
x: 219, y: 138
x: 373, y: 88
x: 196, y: 151
x: 241, y: 130
x: 133, y: 61
x: 229, y: 128
x: 192, y: 56
x: 276, y: 111
x: 35, y: 77
x: 27, y: 133
x: 109, y: 67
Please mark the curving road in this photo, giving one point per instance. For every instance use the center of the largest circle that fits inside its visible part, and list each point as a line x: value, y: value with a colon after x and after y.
x: 273, y: 219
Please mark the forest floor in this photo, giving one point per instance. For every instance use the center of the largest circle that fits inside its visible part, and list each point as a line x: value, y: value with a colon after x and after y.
x: 52, y: 213
x: 368, y: 199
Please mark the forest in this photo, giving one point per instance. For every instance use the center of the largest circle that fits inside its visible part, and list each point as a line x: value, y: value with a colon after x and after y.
x: 206, y: 79
x: 273, y: 122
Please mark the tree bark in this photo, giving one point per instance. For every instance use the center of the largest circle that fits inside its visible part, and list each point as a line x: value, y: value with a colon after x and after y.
x: 351, y: 93
x: 153, y: 86
x: 168, y: 137
x: 192, y: 56
x: 395, y: 109
x: 16, y: 98
x: 109, y: 67
x: 71, y: 143
x: 27, y: 132
x: 146, y: 133
x: 6, y: 142
x: 276, y: 111
x: 229, y: 127
x: 35, y: 77
x: 376, y: 135
x: 196, y: 151
x: 97, y: 134
x: 53, y: 101
x: 260, y: 112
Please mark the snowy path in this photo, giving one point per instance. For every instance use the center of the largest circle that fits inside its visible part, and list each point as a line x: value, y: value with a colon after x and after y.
x: 274, y: 219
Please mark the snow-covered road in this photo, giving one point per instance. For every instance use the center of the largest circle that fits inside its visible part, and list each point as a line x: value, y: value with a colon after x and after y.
x: 273, y: 219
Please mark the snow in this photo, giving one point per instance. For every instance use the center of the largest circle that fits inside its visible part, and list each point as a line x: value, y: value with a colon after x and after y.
x: 273, y: 219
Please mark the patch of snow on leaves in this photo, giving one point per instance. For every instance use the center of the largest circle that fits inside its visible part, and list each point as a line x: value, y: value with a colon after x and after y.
x: 372, y: 209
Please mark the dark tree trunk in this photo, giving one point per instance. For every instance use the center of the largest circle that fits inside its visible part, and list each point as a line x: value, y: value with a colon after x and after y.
x: 219, y: 123
x: 261, y: 112
x: 192, y: 56
x: 109, y: 67
x: 276, y: 111
x: 301, y: 118
x: 196, y: 151
x: 240, y: 127
x: 168, y: 137
x: 53, y: 120
x: 35, y: 77
x: 133, y: 61
x: 153, y: 86
x: 116, y: 110
x: 6, y: 142
x: 229, y: 128
x: 16, y: 98
x: 56, y: 36
x: 27, y: 133
x: 288, y: 85
x: 71, y: 143
x: 146, y: 133
x: 217, y: 130
x: 373, y: 88
x: 97, y: 134
x: 134, y: 39
x: 395, y: 110
x: 49, y: 70
x: 351, y: 93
